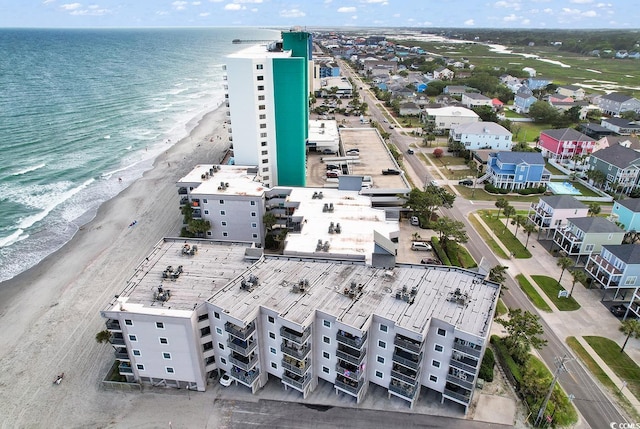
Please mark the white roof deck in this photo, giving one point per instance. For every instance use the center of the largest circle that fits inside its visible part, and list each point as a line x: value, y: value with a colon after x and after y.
x: 259, y: 51
x: 237, y: 180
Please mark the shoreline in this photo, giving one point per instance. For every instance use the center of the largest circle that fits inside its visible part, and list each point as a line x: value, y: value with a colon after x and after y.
x: 49, y: 314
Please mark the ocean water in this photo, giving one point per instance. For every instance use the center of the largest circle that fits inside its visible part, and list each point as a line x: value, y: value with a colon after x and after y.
x: 81, y: 108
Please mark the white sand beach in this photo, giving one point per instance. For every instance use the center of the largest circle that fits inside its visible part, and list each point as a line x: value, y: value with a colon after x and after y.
x: 49, y: 315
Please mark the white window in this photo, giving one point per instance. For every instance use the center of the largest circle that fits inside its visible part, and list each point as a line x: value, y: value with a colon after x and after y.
x: 163, y: 340
x: 273, y: 350
x: 206, y: 212
x: 631, y: 280
x: 136, y: 353
x: 272, y: 335
x: 263, y: 126
x: 442, y: 332
x: 260, y: 87
x: 326, y: 355
x: 325, y: 370
x: 223, y: 361
x: 254, y: 225
x: 433, y: 378
x: 271, y: 319
x: 262, y: 116
x: 253, y: 214
x: 588, y: 248
x: 274, y: 365
x: 133, y: 338
x: 221, y: 201
x: 223, y: 223
x: 326, y: 323
x: 259, y: 66
x: 382, y: 344
x: 380, y: 359
x: 326, y: 339
x: 223, y: 213
x: 379, y: 374
x: 260, y: 97
x: 166, y: 355
x: 128, y: 322
x: 253, y: 203
x: 169, y: 370
x: 254, y: 235
x: 205, y: 201
x: 140, y: 367
x: 438, y: 348
x: 260, y: 77
x: 263, y: 135
x: 221, y: 346
x: 218, y: 331
x: 225, y: 234
x: 384, y: 328
x: 435, y: 363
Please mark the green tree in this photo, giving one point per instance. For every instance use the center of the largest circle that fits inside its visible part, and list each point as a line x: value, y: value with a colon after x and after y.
x: 498, y: 274
x: 269, y: 220
x: 577, y: 276
x: 486, y: 113
x: 564, y: 262
x: 529, y: 228
x: 524, y: 332
x: 103, y: 336
x: 508, y: 211
x: 594, y: 209
x: 543, y: 112
x: 518, y: 221
x: 631, y: 328
x: 501, y: 203
x: 597, y: 177
x: 198, y: 227
x: 448, y: 228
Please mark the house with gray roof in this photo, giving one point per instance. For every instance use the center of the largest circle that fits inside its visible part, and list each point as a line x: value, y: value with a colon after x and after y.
x: 523, y: 100
x: 516, y: 170
x: 616, y: 103
x: 627, y: 213
x: 620, y: 165
x: 564, y: 143
x: 482, y: 135
x: 475, y: 99
x: 552, y: 211
x: 620, y: 126
x: 573, y: 91
x: 617, y: 267
x: 584, y: 236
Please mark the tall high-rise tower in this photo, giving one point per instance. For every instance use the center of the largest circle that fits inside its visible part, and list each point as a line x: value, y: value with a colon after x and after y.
x: 268, y: 98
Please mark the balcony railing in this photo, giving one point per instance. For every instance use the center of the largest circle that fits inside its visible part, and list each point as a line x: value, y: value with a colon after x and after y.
x: 352, y: 374
x: 296, y: 337
x: 465, y: 365
x: 467, y: 383
x: 300, y: 369
x: 407, y: 344
x: 408, y: 392
x: 466, y: 349
x: 245, y: 377
x: 405, y: 359
x: 117, y: 340
x: 244, y: 363
x: 242, y: 333
x: 243, y: 347
x: 352, y: 388
x: 113, y: 325
x: 125, y: 369
x: 121, y: 354
x: 298, y: 353
x: 299, y: 384
x: 402, y: 376
x: 348, y: 357
x: 455, y: 395
x: 357, y: 342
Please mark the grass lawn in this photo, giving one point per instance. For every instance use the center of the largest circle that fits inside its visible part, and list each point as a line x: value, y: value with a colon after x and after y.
x: 495, y: 248
x: 501, y: 308
x: 553, y: 170
x: 584, y: 190
x: 602, y: 377
x: 620, y: 363
x: 482, y: 195
x: 528, y: 131
x: 508, y: 113
x: 533, y: 295
x: 504, y: 234
x: 551, y: 287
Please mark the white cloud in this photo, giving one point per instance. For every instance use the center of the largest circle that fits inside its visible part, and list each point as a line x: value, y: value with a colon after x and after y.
x: 345, y: 9
x: 373, y: 1
x: 70, y: 6
x: 179, y: 5
x: 48, y: 1
x: 525, y: 22
x: 548, y: 10
x: 233, y: 6
x: 510, y: 18
x: 162, y: 12
x: 469, y: 22
x: 292, y: 13
x: 247, y: 1
x: 215, y: 1
x: 254, y: 9
x: 196, y: 3
x: 590, y: 14
x: 581, y: 1
x: 204, y: 14
x: 604, y: 5
x: 354, y: 17
x: 92, y: 11
x: 508, y: 4
x: 327, y: 1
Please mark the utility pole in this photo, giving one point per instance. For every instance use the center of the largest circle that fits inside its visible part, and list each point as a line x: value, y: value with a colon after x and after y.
x: 560, y: 368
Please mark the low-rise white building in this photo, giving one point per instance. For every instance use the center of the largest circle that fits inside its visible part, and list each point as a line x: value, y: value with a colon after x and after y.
x: 475, y: 99
x: 445, y: 118
x: 190, y: 312
x: 482, y: 135
x: 323, y: 134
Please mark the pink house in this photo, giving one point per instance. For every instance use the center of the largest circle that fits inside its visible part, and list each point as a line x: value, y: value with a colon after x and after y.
x: 497, y: 104
x: 563, y: 144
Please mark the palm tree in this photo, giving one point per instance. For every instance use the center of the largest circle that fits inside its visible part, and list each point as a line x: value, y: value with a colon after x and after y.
x: 564, y: 262
x: 508, y: 211
x: 103, y: 336
x: 500, y: 204
x: 529, y: 227
x: 518, y: 221
x: 594, y: 209
x: 577, y: 276
x: 629, y: 327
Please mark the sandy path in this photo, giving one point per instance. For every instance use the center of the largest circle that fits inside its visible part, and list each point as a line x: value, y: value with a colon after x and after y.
x: 49, y: 315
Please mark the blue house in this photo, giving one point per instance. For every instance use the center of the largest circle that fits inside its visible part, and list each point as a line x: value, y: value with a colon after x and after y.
x: 420, y: 86
x: 535, y: 83
x: 516, y: 170
x: 523, y: 100
x: 628, y: 213
x: 617, y: 267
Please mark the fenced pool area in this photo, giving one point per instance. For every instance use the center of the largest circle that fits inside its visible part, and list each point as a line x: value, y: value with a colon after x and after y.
x: 563, y: 188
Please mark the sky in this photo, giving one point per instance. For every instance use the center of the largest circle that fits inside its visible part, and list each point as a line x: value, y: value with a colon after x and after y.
x: 619, y: 14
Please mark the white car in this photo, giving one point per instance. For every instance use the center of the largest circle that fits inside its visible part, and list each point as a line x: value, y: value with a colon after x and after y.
x: 225, y: 380
x: 420, y: 245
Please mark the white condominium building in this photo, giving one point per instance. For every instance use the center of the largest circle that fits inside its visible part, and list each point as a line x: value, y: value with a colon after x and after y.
x: 186, y: 314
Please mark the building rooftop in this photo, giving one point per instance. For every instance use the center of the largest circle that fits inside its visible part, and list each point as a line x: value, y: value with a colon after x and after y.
x: 621, y: 122
x: 617, y: 97
x: 323, y: 131
x: 214, y: 179
x: 531, y: 158
x: 352, y: 211
x: 632, y: 204
x: 594, y: 225
x: 490, y: 128
x: 628, y: 253
x: 260, y: 51
x: 563, y: 202
x: 476, y: 96
x: 567, y: 134
x: 457, y: 296
x: 208, y: 270
x: 452, y: 111
x: 617, y: 155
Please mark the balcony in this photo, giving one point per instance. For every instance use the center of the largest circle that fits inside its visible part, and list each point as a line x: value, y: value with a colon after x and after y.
x: 113, y: 325
x: 296, y: 337
x: 350, y: 340
x: 243, y: 347
x: 182, y: 191
x: 349, y: 386
x: 407, y: 344
x: 407, y: 359
x: 458, y: 397
x: 465, y: 364
x: 117, y: 340
x: 471, y: 351
x: 121, y: 354
x: 348, y: 370
x: 243, y: 362
x: 125, y: 368
x: 295, y: 366
x: 236, y: 331
x: 466, y: 382
x: 298, y: 383
x: 403, y: 374
x: 349, y: 355
x: 245, y: 377
x: 299, y: 353
x: 403, y: 390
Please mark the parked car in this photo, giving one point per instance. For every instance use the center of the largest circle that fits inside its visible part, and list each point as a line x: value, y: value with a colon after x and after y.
x: 431, y: 261
x: 466, y: 182
x: 390, y: 171
x: 333, y: 167
x: 225, y: 380
x: 420, y: 245
x: 415, y: 221
x: 352, y: 153
x: 410, y: 151
x: 328, y: 152
x: 434, y: 183
x: 333, y: 174
x: 619, y: 310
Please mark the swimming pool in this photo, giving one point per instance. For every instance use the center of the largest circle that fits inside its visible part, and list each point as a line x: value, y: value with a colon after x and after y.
x: 563, y: 188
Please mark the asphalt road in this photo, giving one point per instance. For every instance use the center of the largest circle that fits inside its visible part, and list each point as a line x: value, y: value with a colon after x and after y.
x: 284, y: 415
x: 593, y: 404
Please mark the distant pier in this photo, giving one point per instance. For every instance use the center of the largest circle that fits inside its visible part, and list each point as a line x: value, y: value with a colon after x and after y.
x: 250, y: 41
